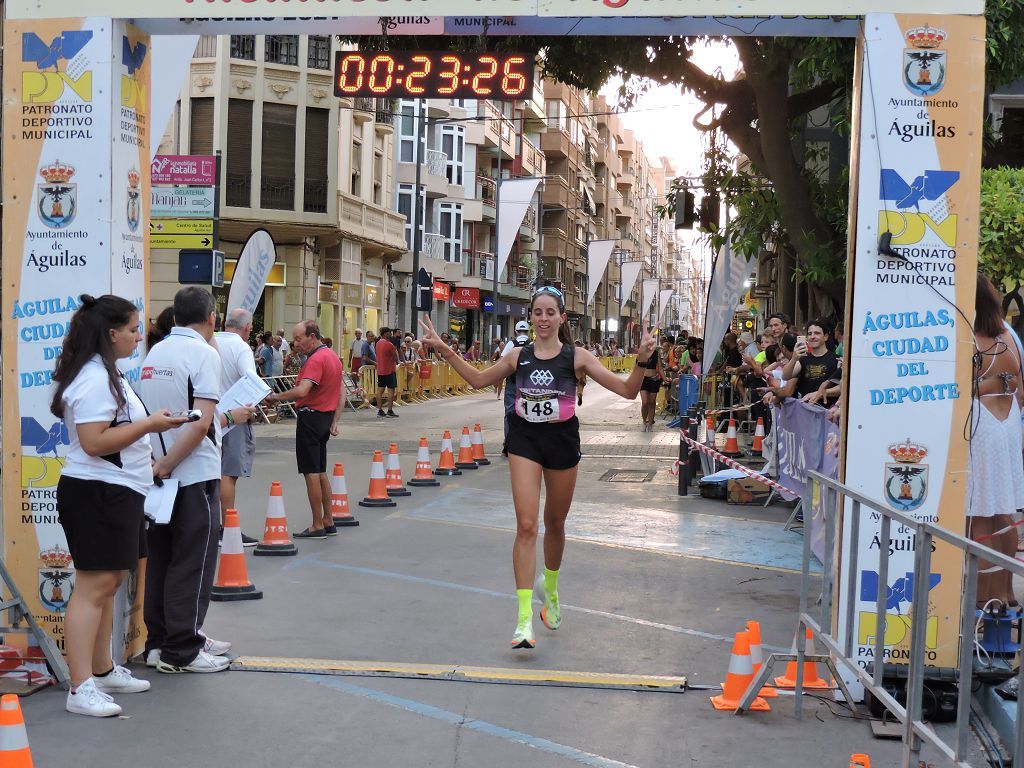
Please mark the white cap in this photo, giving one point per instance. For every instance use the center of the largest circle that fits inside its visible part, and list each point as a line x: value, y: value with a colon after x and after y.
x: 522, y: 325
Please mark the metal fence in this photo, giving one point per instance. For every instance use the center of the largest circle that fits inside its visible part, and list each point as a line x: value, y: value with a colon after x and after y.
x: 829, y: 494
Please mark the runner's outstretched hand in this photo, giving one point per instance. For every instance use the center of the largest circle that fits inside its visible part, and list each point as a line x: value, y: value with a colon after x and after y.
x: 430, y: 337
x: 647, y: 345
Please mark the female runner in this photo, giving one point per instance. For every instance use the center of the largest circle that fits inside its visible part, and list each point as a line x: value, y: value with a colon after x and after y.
x: 543, y: 440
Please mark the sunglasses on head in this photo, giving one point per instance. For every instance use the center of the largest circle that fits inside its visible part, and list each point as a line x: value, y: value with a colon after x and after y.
x: 548, y: 289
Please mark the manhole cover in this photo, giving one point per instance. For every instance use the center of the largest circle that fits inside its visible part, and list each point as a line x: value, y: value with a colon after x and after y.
x: 627, y: 476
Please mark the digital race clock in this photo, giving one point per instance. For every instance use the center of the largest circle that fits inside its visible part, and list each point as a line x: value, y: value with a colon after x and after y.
x: 433, y: 74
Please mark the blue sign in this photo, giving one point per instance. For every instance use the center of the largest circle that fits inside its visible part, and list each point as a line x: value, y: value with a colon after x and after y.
x: 488, y: 304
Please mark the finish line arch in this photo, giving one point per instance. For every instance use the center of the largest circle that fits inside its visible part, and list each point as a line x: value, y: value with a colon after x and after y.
x: 78, y: 109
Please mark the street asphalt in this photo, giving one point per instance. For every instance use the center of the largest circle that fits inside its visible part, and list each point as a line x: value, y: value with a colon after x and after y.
x: 652, y: 584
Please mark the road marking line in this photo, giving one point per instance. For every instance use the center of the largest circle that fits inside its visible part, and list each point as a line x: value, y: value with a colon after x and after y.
x: 461, y: 721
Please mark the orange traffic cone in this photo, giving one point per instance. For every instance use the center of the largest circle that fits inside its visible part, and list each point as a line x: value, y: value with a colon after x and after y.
x: 340, y: 513
x: 393, y: 475
x: 758, y: 445
x: 423, y: 476
x: 377, y: 496
x: 14, y: 751
x: 276, y: 539
x: 710, y: 438
x: 860, y: 760
x: 811, y: 677
x: 478, y: 447
x: 232, y: 578
x: 732, y: 445
x: 465, y: 460
x: 446, y: 466
x: 739, y: 676
x: 756, y: 657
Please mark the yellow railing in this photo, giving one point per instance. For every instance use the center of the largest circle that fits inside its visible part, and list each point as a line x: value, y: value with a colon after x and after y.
x: 432, y: 379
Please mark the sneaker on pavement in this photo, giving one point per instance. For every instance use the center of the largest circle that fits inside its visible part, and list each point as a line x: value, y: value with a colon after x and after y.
x: 330, y: 530
x: 249, y: 541
x: 120, y: 680
x: 551, y: 611
x: 310, y: 534
x: 202, y: 663
x: 90, y: 700
x: 380, y: 413
x: 153, y: 658
x: 523, y: 637
x: 216, y: 647
x: 391, y: 414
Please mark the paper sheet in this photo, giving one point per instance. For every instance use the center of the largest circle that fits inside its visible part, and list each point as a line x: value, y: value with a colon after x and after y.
x: 248, y: 390
x: 160, y: 501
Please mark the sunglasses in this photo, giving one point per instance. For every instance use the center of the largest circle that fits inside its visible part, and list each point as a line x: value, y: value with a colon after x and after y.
x: 548, y: 289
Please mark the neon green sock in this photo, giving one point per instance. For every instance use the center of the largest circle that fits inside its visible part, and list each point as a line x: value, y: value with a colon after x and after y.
x: 525, y: 604
x: 550, y: 581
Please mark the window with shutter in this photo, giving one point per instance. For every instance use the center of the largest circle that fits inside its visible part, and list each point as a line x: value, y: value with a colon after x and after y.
x: 238, y: 161
x: 200, y: 133
x: 277, y: 187
x: 314, y: 194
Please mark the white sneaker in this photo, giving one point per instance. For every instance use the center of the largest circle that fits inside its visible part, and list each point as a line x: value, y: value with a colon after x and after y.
x: 89, y: 700
x: 153, y: 658
x: 120, y: 680
x: 202, y: 663
x: 216, y: 647
x: 523, y: 637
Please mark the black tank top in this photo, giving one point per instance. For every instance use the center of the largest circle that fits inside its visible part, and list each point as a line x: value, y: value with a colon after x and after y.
x: 546, y: 389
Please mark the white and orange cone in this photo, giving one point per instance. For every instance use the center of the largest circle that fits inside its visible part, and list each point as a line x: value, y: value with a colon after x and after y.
x: 732, y: 445
x: 738, y: 678
x: 393, y: 474
x: 423, y: 476
x: 465, y: 460
x: 811, y: 677
x: 340, y: 513
x: 377, y: 496
x: 758, y: 445
x: 757, y: 657
x: 276, y: 539
x: 446, y: 464
x: 14, y: 749
x: 479, y: 456
x: 232, y: 577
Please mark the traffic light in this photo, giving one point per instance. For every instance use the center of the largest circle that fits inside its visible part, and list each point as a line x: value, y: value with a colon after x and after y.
x: 709, y: 205
x: 686, y: 209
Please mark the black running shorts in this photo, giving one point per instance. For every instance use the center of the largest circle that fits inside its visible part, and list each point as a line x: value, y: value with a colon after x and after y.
x: 312, y: 431
x: 555, y: 445
x: 102, y: 522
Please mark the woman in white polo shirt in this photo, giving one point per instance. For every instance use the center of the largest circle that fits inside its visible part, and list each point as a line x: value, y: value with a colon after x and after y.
x: 102, y: 490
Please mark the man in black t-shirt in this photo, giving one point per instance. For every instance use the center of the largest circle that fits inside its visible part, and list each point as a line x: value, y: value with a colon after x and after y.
x: 812, y: 365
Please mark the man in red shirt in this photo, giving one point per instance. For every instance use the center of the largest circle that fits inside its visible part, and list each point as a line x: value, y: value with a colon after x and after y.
x: 387, y: 378
x: 319, y: 399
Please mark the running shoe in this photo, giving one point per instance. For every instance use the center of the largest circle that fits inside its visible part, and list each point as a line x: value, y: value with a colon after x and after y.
x: 391, y: 415
x: 249, y: 541
x: 550, y: 611
x: 380, y: 413
x: 120, y: 680
x: 523, y: 638
x: 90, y: 700
x: 215, y: 647
x: 202, y: 663
x: 153, y: 658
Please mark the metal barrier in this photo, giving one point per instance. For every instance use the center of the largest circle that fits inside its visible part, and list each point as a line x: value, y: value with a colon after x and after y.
x: 826, y: 495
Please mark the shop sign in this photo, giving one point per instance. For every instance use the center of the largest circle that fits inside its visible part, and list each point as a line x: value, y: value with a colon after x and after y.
x: 467, y: 298
x: 373, y: 295
x: 353, y: 296
x: 442, y: 291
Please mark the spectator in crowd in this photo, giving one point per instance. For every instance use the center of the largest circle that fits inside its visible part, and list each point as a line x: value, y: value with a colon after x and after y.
x: 102, y: 490
x: 419, y: 351
x: 238, y: 447
x: 328, y: 342
x: 387, y: 378
x: 812, y: 365
x: 995, y: 480
x: 521, y: 339
x: 406, y: 353
x: 159, y: 328
x: 778, y: 325
x: 181, y: 373
x: 840, y: 335
x: 261, y: 343
x: 456, y: 347
x: 496, y: 346
x: 319, y: 397
x: 370, y: 349
x: 285, y: 347
x: 747, y: 344
x: 473, y: 353
x: 355, y: 355
x: 396, y: 338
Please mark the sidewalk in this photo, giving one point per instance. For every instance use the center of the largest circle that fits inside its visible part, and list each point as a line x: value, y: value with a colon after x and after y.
x: 652, y: 584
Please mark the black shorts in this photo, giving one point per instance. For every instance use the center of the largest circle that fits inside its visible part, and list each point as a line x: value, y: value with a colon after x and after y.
x: 555, y: 445
x: 387, y: 381
x: 102, y: 522
x: 312, y: 431
x: 650, y: 385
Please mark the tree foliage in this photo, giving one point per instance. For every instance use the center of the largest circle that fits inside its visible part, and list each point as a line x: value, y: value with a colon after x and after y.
x: 1001, y: 242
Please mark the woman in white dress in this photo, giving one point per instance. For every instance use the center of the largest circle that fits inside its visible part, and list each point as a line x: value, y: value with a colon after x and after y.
x: 995, y: 485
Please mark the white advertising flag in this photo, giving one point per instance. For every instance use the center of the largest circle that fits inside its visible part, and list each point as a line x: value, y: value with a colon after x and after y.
x: 251, y: 271
x: 598, y: 253
x: 649, y: 293
x: 630, y: 271
x: 663, y: 297
x: 171, y: 58
x: 724, y: 293
x: 514, y: 198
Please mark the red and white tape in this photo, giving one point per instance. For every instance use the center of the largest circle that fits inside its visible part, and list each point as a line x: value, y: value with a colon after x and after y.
x: 728, y: 410
x: 731, y: 463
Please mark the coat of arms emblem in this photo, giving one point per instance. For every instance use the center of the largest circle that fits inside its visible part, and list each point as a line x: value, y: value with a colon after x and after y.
x: 133, y: 200
x: 58, y: 197
x: 924, y: 63
x: 906, y: 479
x: 56, y: 579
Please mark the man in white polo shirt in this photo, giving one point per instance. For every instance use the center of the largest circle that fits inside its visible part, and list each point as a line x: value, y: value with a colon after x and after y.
x: 181, y: 373
x: 238, y: 446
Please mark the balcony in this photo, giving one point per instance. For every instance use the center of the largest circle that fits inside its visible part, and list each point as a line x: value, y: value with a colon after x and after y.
x: 238, y: 190
x: 528, y: 229
x: 206, y: 48
x: 364, y: 110
x: 314, y: 196
x: 371, y: 223
x: 627, y: 178
x: 523, y: 277
x: 497, y: 128
x: 555, y: 143
x: 384, y: 117
x: 435, y: 178
x: 533, y: 158
x: 277, y: 193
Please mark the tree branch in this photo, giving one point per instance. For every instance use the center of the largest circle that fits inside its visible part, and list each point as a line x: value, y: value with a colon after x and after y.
x: 809, y: 100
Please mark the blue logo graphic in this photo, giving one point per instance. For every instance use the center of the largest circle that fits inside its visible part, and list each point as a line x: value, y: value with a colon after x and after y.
x: 132, y: 57
x: 931, y: 185
x: 900, y: 592
x: 43, y: 440
x: 65, y: 46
